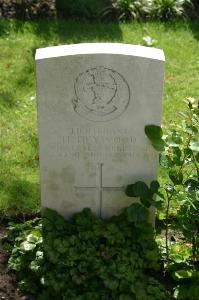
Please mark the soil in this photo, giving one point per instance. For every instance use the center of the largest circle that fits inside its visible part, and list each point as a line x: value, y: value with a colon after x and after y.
x: 8, y: 288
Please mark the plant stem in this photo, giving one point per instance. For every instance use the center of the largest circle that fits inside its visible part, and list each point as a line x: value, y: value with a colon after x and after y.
x: 194, y: 247
x: 167, y: 228
x: 195, y: 164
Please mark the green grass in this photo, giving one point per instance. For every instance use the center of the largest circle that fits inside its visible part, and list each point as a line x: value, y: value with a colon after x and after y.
x: 19, y: 175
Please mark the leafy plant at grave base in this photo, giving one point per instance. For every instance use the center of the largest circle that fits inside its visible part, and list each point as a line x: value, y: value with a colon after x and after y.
x: 184, y: 272
x: 24, y: 242
x: 146, y: 194
x: 87, y: 257
x: 188, y: 290
x: 187, y: 280
x: 165, y: 10
x: 181, y: 161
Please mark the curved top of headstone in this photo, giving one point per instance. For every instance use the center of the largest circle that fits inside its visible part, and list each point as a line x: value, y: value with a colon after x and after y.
x: 100, y: 48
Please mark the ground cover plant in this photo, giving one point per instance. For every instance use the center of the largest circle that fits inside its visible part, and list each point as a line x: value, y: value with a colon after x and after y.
x: 87, y: 257
x: 19, y: 180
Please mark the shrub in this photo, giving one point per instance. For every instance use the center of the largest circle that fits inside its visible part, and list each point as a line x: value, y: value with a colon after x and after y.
x: 27, y: 9
x: 180, y: 161
x: 165, y: 10
x: 126, y: 10
x: 86, y: 9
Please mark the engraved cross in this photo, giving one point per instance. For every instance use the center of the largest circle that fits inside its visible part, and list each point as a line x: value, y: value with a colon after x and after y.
x: 99, y: 188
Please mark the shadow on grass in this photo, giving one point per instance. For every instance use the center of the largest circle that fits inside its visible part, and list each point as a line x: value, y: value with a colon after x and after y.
x: 7, y: 99
x: 5, y: 27
x: 194, y: 27
x: 22, y: 196
x: 65, y: 31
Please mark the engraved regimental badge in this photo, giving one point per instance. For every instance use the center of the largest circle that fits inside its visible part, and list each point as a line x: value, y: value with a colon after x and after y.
x: 102, y: 94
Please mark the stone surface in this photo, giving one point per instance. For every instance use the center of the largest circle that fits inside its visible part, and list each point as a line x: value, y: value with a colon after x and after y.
x: 93, y: 103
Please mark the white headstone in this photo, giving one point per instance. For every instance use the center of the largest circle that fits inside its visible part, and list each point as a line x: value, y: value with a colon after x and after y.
x: 94, y: 101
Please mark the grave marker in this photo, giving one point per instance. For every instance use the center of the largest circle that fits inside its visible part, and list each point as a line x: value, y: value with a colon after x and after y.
x: 93, y: 103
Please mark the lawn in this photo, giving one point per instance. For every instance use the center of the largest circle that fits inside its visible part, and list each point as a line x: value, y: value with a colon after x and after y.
x: 19, y: 177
